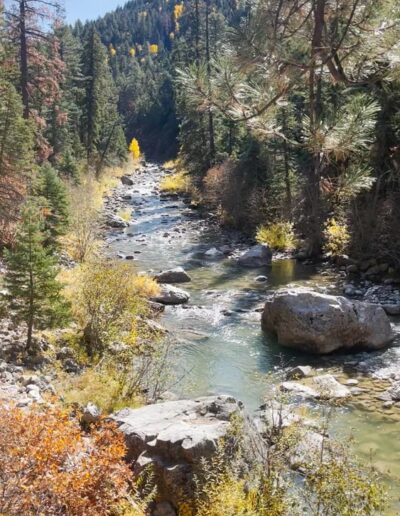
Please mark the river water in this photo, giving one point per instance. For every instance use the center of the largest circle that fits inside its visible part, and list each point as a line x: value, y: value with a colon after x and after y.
x: 220, y: 347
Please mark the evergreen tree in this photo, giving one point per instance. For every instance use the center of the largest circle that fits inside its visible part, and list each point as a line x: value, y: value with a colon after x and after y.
x: 51, y: 191
x: 102, y: 131
x: 33, y: 292
x: 16, y: 155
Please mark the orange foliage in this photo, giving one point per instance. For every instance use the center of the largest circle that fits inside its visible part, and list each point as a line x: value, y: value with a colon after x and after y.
x: 48, y: 466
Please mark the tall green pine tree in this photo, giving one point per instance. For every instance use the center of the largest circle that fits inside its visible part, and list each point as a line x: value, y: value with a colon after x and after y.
x: 33, y: 292
x: 102, y: 129
x: 52, y: 193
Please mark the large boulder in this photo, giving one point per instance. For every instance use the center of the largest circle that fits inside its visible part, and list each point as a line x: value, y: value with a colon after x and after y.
x: 257, y: 256
x: 174, y: 436
x: 170, y: 295
x: 319, y: 323
x: 177, y: 275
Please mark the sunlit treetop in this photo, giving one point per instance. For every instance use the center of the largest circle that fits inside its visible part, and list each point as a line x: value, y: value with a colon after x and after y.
x: 153, y: 48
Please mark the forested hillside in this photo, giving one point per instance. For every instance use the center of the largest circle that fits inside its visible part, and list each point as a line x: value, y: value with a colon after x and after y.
x: 146, y: 42
x: 287, y: 110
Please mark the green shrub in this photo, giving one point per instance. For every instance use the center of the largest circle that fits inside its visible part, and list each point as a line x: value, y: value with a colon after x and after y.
x: 279, y: 236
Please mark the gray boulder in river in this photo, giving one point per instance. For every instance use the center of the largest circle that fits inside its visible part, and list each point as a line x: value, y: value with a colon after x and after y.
x: 174, y: 436
x: 177, y: 275
x: 319, y: 323
x: 170, y: 295
x: 256, y: 256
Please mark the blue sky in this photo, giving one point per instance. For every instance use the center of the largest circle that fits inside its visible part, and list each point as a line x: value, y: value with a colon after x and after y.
x: 89, y: 9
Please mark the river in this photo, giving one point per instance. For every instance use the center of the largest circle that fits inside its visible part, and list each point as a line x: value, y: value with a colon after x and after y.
x: 220, y: 347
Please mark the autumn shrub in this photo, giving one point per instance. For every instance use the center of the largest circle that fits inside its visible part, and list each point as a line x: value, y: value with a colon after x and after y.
x: 178, y: 183
x: 82, y: 238
x: 85, y: 199
x: 229, y: 192
x: 337, y: 237
x: 125, y: 377
x: 279, y: 236
x: 108, y: 303
x: 48, y: 466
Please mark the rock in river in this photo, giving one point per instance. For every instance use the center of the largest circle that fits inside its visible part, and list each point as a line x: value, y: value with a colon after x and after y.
x: 324, y: 387
x: 174, y: 436
x: 114, y: 221
x: 320, y: 323
x: 127, y: 181
x: 170, y: 295
x: 177, y: 275
x: 257, y: 256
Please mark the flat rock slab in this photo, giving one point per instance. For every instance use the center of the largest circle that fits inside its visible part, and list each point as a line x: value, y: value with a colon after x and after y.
x: 324, y: 387
x: 177, y: 431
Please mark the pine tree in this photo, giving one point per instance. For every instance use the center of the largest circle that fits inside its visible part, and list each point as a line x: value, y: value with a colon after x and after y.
x: 33, y: 292
x: 52, y: 193
x: 102, y: 130
x: 16, y: 155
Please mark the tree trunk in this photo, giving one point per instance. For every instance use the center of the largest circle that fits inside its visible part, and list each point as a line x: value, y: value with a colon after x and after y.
x: 210, y: 113
x: 315, y: 225
x: 23, y: 57
x: 288, y: 186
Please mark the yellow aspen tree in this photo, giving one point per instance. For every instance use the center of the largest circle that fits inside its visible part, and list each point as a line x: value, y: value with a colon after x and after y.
x: 153, y: 49
x: 135, y: 149
x: 132, y: 52
x: 178, y: 11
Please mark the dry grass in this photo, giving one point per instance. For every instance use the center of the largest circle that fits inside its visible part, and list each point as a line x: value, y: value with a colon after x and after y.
x: 97, y: 385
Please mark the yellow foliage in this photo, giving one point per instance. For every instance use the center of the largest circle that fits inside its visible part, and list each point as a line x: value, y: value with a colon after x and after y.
x: 153, y: 48
x: 107, y: 302
x: 175, y: 183
x: 113, y: 52
x: 337, y: 237
x: 101, y: 386
x: 279, y: 236
x: 172, y: 163
x: 145, y: 286
x: 134, y: 148
x: 132, y: 52
x: 178, y: 11
x: 86, y: 201
x: 125, y: 215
